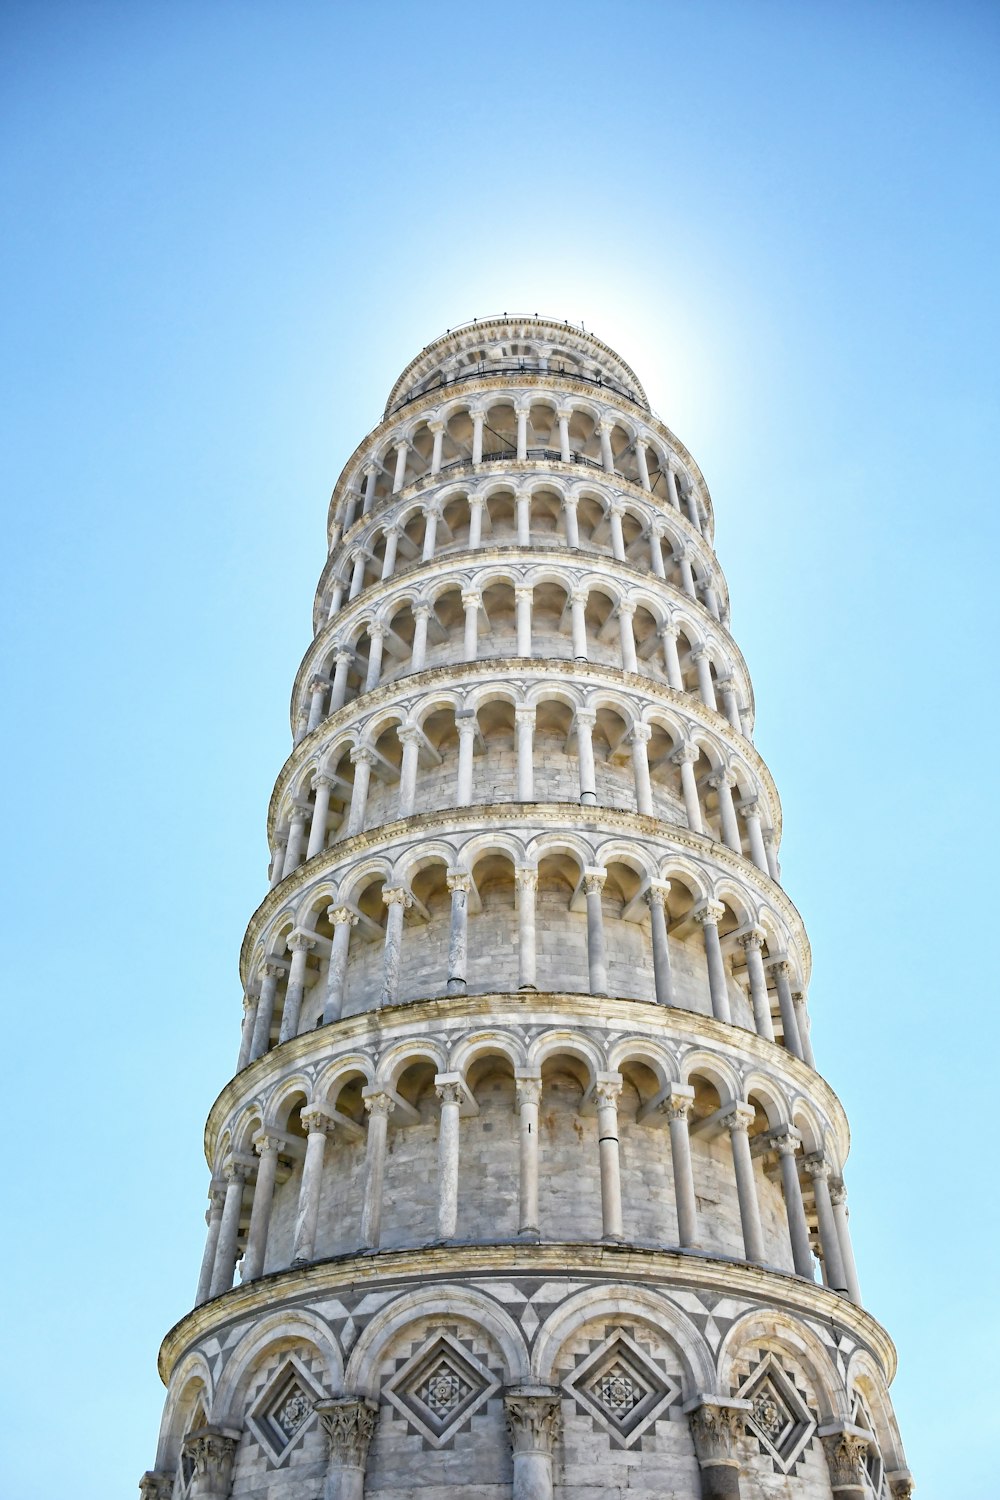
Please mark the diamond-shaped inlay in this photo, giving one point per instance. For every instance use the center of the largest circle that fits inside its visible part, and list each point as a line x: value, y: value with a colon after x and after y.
x: 284, y: 1409
x: 439, y: 1387
x: 779, y: 1418
x: 621, y: 1388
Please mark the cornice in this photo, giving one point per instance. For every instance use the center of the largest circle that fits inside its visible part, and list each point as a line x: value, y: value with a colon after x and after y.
x: 389, y: 1269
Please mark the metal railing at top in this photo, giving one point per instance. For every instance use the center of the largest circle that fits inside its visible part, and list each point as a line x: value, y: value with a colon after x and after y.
x: 487, y: 367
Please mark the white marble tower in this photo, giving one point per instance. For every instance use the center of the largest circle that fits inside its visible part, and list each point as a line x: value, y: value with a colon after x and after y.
x: 526, y: 1179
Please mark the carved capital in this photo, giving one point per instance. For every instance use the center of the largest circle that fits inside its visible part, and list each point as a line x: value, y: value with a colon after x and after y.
x: 208, y: 1456
x: 395, y: 895
x: 677, y: 1103
x: 379, y: 1104
x: 753, y: 939
x: 838, y: 1193
x: 235, y: 1171
x: 448, y: 1093
x: 716, y: 1427
x: 709, y: 913
x: 274, y: 968
x: 301, y: 941
x: 459, y: 880
x: 527, y: 880
x: 641, y: 733
x: 318, y: 684
x: 317, y: 1121
x: 409, y: 734
x: 786, y: 1142
x: 817, y: 1165
x: 340, y: 914
x: 322, y: 778
x: 593, y: 881
x: 688, y: 753
x: 534, y: 1418
x: 299, y: 813
x: 267, y: 1145
x: 657, y: 893
x: 156, y: 1484
x: 722, y: 778
x: 740, y: 1117
x: 349, y: 1424
x: 901, y: 1484
x: 421, y: 611
x: 527, y: 1091
x: 363, y: 753
x: 846, y: 1449
x: 607, y: 1091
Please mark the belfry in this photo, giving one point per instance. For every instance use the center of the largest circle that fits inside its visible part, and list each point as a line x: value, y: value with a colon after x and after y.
x: 526, y: 1184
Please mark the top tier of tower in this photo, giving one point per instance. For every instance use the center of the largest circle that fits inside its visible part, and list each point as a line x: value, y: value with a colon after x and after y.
x: 511, y: 346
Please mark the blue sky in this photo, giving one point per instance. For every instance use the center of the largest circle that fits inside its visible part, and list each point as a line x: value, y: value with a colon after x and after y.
x: 228, y: 227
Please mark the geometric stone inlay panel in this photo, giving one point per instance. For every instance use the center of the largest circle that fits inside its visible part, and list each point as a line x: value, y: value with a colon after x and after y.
x: 284, y: 1410
x: 779, y: 1417
x: 621, y: 1388
x: 874, y: 1468
x: 439, y: 1387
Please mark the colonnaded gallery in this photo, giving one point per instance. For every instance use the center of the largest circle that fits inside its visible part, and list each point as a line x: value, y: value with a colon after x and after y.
x: 526, y: 1183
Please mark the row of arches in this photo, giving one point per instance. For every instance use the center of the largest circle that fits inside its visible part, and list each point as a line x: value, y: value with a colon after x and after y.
x: 528, y: 741
x: 550, y: 426
x: 550, y: 613
x: 543, y: 514
x: 497, y: 910
x: 560, y: 1139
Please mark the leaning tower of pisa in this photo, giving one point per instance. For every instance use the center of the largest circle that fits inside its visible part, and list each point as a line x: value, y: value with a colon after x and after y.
x: 526, y: 1183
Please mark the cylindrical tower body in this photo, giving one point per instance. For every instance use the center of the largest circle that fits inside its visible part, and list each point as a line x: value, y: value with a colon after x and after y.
x: 527, y: 1182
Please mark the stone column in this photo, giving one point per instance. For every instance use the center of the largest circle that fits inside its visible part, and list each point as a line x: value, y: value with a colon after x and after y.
x: 278, y: 860
x: 607, y: 457
x: 656, y: 552
x: 691, y: 501
x: 638, y: 739
x: 322, y: 787
x: 478, y: 421
x: 572, y: 522
x: 738, y: 1121
x: 524, y: 720
x: 349, y: 1424
x: 802, y: 1021
x: 527, y: 885
x: 476, y: 504
x: 771, y: 850
x: 682, y: 557
x: 846, y: 1449
x: 534, y: 1422
x: 586, y: 718
x: 786, y: 1144
x: 319, y: 1125
x: 521, y: 412
x: 626, y: 636
x: 466, y: 724
x: 730, y: 702
x: 717, y: 1424
x: 246, y: 1031
x: 712, y: 605
x: 750, y: 808
x: 578, y: 609
x: 522, y: 504
x: 376, y: 636
x: 449, y: 1093
x: 418, y: 650
x: 471, y: 603
x: 641, y: 464
x: 789, y: 1021
x: 343, y: 919
x: 430, y: 533
x: 298, y: 818
x: 397, y: 900
x: 563, y: 416
x: 663, y: 981
x: 379, y: 1106
x: 336, y: 599
x: 522, y: 601
x: 208, y: 1455
x: 389, y: 556
x: 229, y: 1230
x: 273, y: 969
x: 708, y: 915
x: 358, y: 574
x: 342, y: 660
x: 399, y: 477
x: 752, y: 943
x: 372, y: 472
x: 528, y: 1093
x: 668, y: 635
x: 607, y: 1092
x: 409, y: 737
x: 706, y: 690
x: 216, y: 1201
x: 672, y: 494
x: 437, y: 430
x: 267, y: 1148
x: 677, y: 1106
x: 723, y: 782
x: 362, y: 759
x: 597, y: 958
x: 615, y: 512
x: 685, y: 757
x: 317, y: 692
x: 819, y: 1170
x: 301, y: 945
x: 459, y: 884
x: 838, y: 1198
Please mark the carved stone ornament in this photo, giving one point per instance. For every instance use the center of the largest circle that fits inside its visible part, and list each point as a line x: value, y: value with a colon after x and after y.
x: 534, y: 1419
x: 156, y: 1485
x: 901, y: 1484
x: 208, y: 1456
x: 845, y: 1458
x: 349, y: 1423
x: 716, y: 1427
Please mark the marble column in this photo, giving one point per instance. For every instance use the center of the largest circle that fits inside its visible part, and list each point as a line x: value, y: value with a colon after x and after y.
x: 752, y: 943
x: 207, y: 1456
x: 730, y: 702
x: 578, y: 613
x: 471, y: 603
x: 750, y: 808
x: 478, y: 422
x: 717, y: 1426
x: 349, y: 1425
x: 802, y: 1021
x: 702, y: 661
x: 641, y: 463
x: 229, y: 1230
x: 322, y: 785
x: 671, y: 659
x: 467, y: 727
x: 272, y: 972
x: 527, y: 885
x: 639, y: 738
x: 521, y: 413
x: 615, y: 512
x: 708, y: 915
x: 677, y: 1106
x: 737, y: 1121
x: 342, y: 658
x: 685, y: 758
x: 607, y: 1092
x: 723, y: 782
x: 376, y: 637
x: 418, y: 650
x: 534, y: 1422
x: 597, y: 958
x: 320, y: 1126
x: 361, y: 558
x: 449, y: 1093
x: 604, y: 428
x: 247, y: 1030
x: 522, y: 504
x: 626, y: 636
x: 572, y: 521
x: 528, y: 1091
x: 362, y: 759
x: 786, y: 1143
x: 397, y: 901
x: 343, y: 919
x: 216, y: 1202
x: 524, y: 721
x: 399, y: 475
x: 300, y: 945
x: 459, y: 884
x: 317, y: 693
x: 476, y: 506
x: 431, y: 514
x: 565, y: 453
x: 818, y: 1168
x: 846, y: 1448
x: 436, y: 429
x: 409, y: 737
x: 379, y: 1106
x: 838, y: 1198
x: 297, y: 818
x: 663, y: 980
x: 789, y: 1021
x: 267, y: 1148
x: 389, y: 555
x: 656, y: 552
x: 522, y: 602
x: 682, y: 557
x: 585, y: 720
x: 372, y: 472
